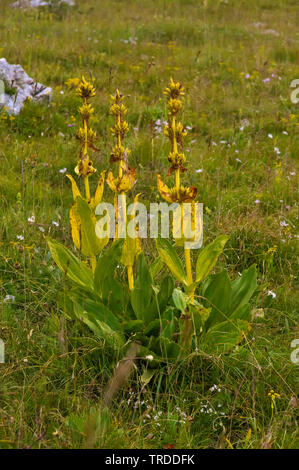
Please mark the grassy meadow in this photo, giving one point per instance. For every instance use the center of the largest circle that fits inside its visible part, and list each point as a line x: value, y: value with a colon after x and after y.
x: 236, y: 59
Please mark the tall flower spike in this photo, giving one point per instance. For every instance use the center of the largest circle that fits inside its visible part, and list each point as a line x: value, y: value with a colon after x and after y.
x: 175, y: 132
x: 125, y: 180
x: 126, y: 176
x: 82, y: 217
x: 85, y: 134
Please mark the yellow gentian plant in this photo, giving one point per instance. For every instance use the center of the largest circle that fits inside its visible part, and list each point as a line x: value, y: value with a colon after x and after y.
x: 124, y: 182
x: 175, y: 132
x: 82, y: 216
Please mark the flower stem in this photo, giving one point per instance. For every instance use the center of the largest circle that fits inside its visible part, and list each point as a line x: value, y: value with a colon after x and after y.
x: 130, y: 277
x: 93, y: 262
x: 87, y: 190
x: 189, y: 270
x: 177, y: 180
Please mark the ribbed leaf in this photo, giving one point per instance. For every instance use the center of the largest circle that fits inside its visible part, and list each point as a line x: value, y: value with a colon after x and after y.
x: 171, y: 259
x: 223, y: 337
x: 208, y: 257
x: 73, y: 268
x: 243, y: 288
x: 219, y: 298
x: 141, y: 295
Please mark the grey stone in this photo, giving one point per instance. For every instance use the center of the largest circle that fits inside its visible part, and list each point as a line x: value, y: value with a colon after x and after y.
x: 38, y: 3
x: 16, y: 79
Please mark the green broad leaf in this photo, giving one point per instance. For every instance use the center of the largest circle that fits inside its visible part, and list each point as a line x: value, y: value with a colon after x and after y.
x: 113, y: 295
x: 179, y: 300
x: 133, y: 326
x: 66, y: 305
x: 200, y: 315
x: 91, y: 245
x: 72, y: 267
x: 208, y: 257
x: 242, y: 313
x: 96, y: 310
x: 243, y: 288
x: 169, y: 349
x: 219, y: 297
x: 223, y: 337
x: 153, y: 328
x: 107, y: 264
x: 142, y: 293
x: 165, y: 292
x: 156, y: 267
x: 147, y: 376
x: 96, y: 321
x: 170, y: 323
x: 161, y: 299
x: 169, y: 256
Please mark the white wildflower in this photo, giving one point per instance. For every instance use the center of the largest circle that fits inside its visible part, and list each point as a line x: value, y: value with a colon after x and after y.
x: 270, y: 292
x: 9, y: 297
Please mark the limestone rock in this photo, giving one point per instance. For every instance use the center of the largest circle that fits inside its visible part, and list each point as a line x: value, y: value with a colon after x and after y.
x: 38, y: 3
x: 18, y: 87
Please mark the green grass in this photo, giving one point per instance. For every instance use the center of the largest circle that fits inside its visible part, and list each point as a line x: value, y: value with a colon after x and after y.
x: 56, y: 370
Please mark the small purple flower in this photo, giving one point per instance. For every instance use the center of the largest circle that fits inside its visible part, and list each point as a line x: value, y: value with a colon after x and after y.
x: 266, y: 80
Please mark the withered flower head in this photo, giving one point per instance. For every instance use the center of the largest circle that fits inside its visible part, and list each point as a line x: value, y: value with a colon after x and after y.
x: 84, y: 166
x: 179, y: 195
x: 124, y: 183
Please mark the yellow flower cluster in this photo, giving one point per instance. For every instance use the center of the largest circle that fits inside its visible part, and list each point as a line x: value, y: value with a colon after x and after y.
x: 273, y: 395
x: 126, y: 176
x: 85, y: 89
x: 175, y: 132
x: 125, y: 180
x: 85, y: 134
